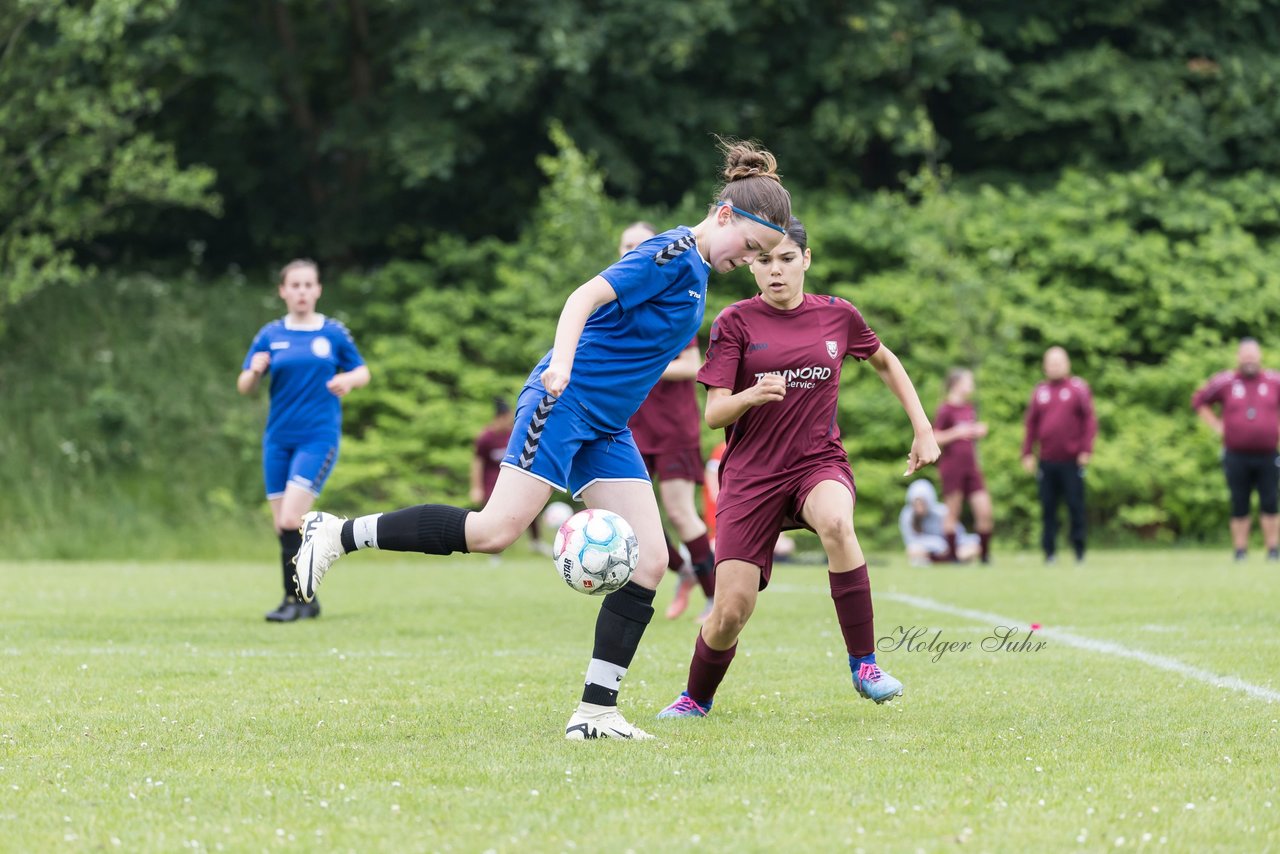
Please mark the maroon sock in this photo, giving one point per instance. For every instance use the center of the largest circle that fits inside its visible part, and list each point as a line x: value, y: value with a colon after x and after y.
x: 699, y: 549
x: 985, y: 540
x: 707, y: 670
x: 674, y: 560
x: 851, y: 591
x: 704, y: 563
x: 951, y: 545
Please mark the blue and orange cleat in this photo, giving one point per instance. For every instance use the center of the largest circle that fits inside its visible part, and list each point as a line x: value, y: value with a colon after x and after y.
x: 685, y: 707
x: 873, y: 683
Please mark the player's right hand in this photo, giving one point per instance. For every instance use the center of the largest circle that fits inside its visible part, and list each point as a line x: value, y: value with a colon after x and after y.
x: 769, y: 388
x: 555, y: 379
x: 260, y: 362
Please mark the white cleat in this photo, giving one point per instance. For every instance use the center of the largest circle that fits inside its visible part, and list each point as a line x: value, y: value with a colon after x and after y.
x: 591, y: 721
x: 321, y: 546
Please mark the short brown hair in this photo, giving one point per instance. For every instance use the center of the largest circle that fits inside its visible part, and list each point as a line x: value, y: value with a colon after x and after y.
x: 295, y: 264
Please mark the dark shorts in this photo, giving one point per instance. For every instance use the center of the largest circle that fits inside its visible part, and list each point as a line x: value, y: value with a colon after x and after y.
x: 675, y: 465
x: 748, y: 520
x: 965, y: 481
x: 1249, y: 472
x: 307, y: 465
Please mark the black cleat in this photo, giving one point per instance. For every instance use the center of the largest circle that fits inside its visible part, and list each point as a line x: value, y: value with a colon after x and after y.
x: 292, y: 609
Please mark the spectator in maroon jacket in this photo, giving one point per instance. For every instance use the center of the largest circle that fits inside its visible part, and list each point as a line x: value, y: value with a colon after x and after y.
x: 1061, y: 424
x: 1249, y: 400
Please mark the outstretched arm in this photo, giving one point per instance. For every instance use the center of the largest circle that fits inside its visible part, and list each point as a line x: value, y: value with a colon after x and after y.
x: 573, y: 317
x: 924, y: 447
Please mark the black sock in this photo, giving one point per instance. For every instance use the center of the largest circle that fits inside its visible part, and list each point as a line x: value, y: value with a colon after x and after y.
x: 290, y: 542
x: 434, y: 529
x: 623, y: 617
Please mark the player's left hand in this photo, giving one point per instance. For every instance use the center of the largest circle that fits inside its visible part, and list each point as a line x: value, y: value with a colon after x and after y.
x: 339, y: 385
x: 555, y: 379
x: 924, y: 452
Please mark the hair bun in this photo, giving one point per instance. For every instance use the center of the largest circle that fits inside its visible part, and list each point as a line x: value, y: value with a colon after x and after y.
x: 748, y: 160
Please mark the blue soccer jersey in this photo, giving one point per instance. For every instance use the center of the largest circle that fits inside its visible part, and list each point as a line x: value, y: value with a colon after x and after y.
x: 627, y: 344
x: 302, y: 361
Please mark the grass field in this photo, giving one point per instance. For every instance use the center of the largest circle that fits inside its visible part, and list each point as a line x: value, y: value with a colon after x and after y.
x: 148, y: 707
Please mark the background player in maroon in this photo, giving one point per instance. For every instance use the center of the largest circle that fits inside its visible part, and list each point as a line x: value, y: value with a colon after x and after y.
x: 1249, y: 398
x: 667, y: 431
x: 773, y: 379
x: 1060, y: 421
x: 486, y: 462
x: 957, y: 429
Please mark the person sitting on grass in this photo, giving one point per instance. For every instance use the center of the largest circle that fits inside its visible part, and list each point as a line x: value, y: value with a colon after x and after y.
x: 923, y: 524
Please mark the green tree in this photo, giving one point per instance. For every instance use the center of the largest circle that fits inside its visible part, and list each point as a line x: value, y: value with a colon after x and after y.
x: 76, y: 166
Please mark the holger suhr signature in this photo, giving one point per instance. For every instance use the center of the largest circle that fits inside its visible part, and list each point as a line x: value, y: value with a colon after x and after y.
x: 924, y: 639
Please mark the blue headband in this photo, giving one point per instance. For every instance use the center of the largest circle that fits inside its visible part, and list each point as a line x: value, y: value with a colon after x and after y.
x: 751, y: 216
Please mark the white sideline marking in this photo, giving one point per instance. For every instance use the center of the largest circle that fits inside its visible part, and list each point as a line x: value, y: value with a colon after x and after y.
x: 1161, y: 662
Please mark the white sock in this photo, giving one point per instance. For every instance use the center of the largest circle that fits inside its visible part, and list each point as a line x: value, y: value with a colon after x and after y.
x: 365, y: 531
x: 603, y: 681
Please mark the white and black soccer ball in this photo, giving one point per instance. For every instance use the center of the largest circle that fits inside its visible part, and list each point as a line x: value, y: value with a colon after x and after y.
x: 595, y: 551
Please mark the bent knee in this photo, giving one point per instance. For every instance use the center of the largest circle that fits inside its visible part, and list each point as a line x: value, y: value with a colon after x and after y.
x: 490, y: 536
x: 730, y: 616
x: 833, y: 528
x: 288, y: 523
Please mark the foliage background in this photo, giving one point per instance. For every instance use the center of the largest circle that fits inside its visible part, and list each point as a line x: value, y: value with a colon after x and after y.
x: 981, y: 179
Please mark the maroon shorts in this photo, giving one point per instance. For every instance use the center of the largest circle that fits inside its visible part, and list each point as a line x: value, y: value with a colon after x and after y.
x: 750, y: 516
x: 965, y: 481
x: 675, y: 465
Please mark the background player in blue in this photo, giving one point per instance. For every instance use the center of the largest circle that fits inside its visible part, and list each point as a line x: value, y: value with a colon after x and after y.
x: 313, y: 362
x: 616, y: 335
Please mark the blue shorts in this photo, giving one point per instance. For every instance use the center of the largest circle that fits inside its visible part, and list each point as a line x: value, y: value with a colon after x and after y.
x: 307, y: 465
x: 554, y: 444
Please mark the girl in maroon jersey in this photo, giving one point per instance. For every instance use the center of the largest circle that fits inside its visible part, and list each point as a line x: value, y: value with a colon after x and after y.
x: 773, y: 379
x: 958, y: 430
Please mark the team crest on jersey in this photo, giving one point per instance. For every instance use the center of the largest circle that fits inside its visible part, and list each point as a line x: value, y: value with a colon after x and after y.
x: 1237, y: 389
x: 321, y: 347
x: 1262, y: 389
x: 1044, y: 395
x: 832, y: 349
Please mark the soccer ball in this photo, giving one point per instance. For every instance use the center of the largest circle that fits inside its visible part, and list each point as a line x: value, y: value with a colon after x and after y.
x: 556, y: 514
x: 595, y: 551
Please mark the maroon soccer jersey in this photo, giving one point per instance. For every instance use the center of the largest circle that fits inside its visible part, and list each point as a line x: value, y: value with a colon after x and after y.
x: 960, y: 455
x: 1250, y: 409
x: 491, y: 447
x: 1060, y: 419
x: 668, y: 420
x: 807, y: 346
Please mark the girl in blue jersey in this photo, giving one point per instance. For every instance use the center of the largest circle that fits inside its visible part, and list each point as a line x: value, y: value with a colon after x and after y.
x: 616, y: 335
x: 313, y: 362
